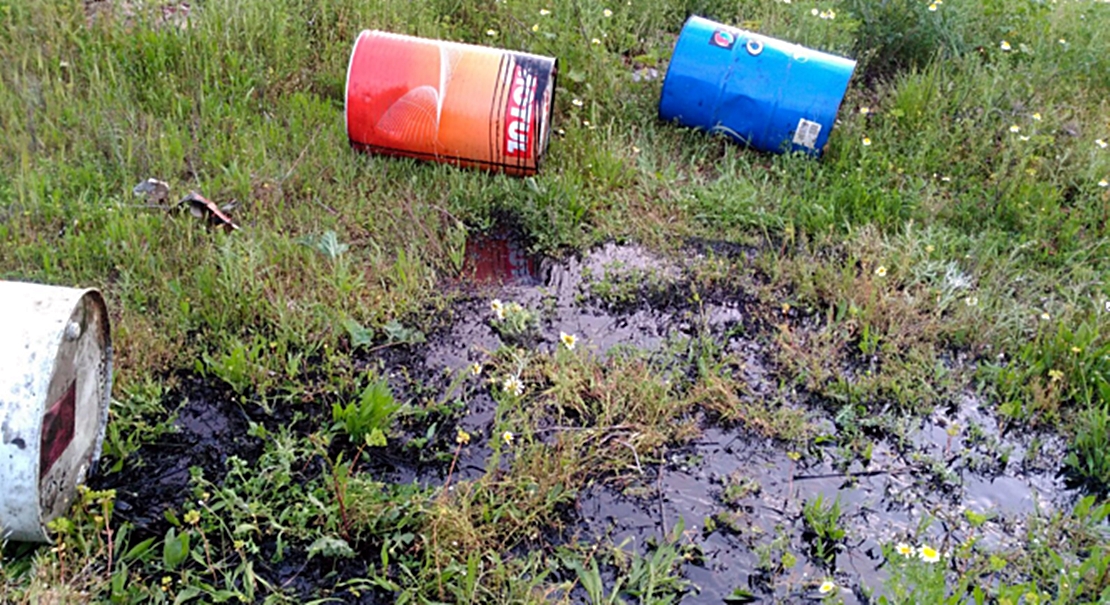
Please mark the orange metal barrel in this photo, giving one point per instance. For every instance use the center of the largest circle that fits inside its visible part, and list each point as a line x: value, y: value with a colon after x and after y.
x: 449, y: 102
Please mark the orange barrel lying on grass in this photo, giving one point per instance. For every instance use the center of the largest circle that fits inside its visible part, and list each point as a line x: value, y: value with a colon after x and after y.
x: 449, y: 102
x: 55, y: 385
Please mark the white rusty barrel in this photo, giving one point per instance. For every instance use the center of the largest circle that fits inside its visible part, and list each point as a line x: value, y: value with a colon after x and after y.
x: 55, y: 385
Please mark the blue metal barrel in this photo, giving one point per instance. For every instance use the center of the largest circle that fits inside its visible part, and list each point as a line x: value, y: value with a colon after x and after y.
x: 772, y: 95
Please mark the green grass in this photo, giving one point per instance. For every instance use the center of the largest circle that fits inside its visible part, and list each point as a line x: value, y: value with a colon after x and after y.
x: 974, y: 225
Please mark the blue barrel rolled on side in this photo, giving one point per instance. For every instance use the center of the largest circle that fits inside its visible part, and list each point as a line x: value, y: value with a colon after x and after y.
x: 772, y: 95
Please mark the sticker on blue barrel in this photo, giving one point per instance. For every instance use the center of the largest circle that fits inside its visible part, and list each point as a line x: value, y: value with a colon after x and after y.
x: 722, y: 38
x: 806, y: 133
x: 766, y: 93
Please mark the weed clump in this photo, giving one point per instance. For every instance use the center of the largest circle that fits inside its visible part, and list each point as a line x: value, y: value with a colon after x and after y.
x: 899, y: 35
x: 1088, y: 462
x: 369, y: 419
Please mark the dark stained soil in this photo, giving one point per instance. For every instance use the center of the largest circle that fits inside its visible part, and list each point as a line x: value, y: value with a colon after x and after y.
x: 930, y: 472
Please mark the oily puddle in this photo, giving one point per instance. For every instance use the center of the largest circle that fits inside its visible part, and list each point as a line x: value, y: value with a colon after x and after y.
x: 748, y: 489
x: 741, y: 498
x: 952, y: 472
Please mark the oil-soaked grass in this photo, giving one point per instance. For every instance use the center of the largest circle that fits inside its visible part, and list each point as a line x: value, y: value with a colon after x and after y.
x: 930, y: 296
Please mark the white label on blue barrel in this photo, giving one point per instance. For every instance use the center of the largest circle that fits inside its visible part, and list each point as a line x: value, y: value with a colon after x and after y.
x: 806, y: 133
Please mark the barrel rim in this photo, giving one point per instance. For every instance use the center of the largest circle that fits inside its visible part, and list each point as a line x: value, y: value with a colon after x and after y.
x: 549, y: 125
x: 347, y: 83
x: 670, y: 63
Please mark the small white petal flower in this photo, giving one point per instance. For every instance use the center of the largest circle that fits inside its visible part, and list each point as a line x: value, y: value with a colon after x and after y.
x: 1005, y: 45
x: 513, y: 385
x: 568, y: 340
x: 826, y: 587
x: 498, y: 308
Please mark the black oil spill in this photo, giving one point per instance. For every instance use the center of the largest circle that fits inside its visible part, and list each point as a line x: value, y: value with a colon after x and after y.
x: 210, y: 426
x: 943, y: 466
x: 954, y: 461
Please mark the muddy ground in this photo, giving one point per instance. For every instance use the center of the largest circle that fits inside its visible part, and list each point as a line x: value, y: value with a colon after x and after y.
x: 953, y: 461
